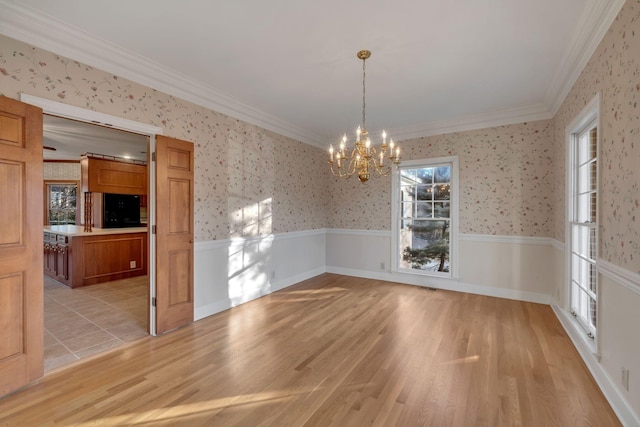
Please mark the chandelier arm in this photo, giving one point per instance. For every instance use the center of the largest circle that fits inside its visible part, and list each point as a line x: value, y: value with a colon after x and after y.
x: 340, y: 173
x: 351, y: 168
x: 381, y: 170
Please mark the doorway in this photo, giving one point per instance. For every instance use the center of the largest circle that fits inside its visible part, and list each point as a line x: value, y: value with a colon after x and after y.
x: 171, y: 288
x: 86, y: 320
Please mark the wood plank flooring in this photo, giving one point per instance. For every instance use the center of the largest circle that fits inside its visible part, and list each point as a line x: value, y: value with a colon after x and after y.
x: 334, y: 350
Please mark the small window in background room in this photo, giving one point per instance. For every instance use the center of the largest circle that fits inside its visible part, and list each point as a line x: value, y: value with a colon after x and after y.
x: 62, y: 203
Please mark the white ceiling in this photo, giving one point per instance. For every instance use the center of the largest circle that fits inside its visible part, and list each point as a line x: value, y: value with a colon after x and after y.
x: 71, y: 139
x: 290, y: 65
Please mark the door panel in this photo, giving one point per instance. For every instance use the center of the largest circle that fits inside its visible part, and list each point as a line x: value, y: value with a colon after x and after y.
x: 174, y: 235
x: 11, y: 297
x: 21, y: 252
x: 11, y: 188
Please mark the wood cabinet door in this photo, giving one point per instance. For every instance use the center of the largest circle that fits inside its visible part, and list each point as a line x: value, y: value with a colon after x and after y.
x: 174, y: 233
x: 112, y: 176
x: 62, y: 263
x: 21, y: 252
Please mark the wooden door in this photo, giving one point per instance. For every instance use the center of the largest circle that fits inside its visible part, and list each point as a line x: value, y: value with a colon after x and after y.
x: 21, y: 245
x: 174, y: 233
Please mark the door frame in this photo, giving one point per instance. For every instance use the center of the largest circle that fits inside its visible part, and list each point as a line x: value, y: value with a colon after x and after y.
x: 59, y: 109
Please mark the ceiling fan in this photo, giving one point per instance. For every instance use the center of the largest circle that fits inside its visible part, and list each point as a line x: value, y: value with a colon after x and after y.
x: 46, y: 147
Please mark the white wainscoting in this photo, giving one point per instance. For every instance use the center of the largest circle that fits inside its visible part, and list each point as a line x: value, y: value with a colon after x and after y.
x: 234, y: 271
x: 618, y: 342
x: 501, y: 266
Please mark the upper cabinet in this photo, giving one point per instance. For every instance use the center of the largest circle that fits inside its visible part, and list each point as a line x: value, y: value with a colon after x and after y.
x: 110, y: 176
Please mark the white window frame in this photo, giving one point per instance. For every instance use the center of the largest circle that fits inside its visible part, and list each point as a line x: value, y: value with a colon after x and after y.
x: 588, y: 118
x: 453, y: 232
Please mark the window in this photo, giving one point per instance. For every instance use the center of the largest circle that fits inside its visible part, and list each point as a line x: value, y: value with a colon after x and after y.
x: 583, y: 226
x: 425, y: 216
x: 61, y: 202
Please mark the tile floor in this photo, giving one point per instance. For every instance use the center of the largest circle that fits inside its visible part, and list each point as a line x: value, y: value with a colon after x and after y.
x: 84, y: 321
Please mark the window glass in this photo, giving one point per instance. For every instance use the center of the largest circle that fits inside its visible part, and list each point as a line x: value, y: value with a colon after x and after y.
x: 62, y: 203
x: 424, y: 233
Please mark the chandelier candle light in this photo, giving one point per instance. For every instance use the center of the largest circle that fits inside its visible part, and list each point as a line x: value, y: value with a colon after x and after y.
x: 363, y: 159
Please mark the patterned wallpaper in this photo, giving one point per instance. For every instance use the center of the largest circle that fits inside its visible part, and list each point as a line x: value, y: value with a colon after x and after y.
x: 505, y: 176
x: 62, y: 170
x: 614, y: 71
x: 248, y: 181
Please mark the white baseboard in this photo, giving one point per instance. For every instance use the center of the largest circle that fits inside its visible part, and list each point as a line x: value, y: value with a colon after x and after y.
x: 289, y: 281
x: 209, y: 309
x: 219, y: 306
x: 620, y: 406
x: 446, y: 284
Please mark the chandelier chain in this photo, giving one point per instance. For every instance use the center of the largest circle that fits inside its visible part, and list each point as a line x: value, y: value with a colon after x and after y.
x: 364, y: 76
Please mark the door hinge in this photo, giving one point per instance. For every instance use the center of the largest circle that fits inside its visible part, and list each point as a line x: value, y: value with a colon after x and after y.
x: 153, y: 156
x: 153, y: 301
x: 153, y: 229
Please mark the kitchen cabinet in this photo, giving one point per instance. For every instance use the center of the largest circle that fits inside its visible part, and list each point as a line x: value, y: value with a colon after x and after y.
x: 112, y: 176
x: 56, y: 257
x: 77, y: 258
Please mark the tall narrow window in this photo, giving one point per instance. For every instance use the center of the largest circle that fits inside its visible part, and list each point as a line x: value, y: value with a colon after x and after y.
x: 424, y: 229
x: 583, y: 223
x: 61, y: 199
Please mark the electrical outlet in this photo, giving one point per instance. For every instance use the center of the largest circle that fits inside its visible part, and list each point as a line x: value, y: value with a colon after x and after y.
x: 132, y: 264
x: 382, y: 266
x: 625, y: 378
x: 273, y: 275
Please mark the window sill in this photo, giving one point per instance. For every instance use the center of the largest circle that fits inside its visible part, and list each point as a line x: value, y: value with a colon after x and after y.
x: 576, y: 333
x: 425, y: 273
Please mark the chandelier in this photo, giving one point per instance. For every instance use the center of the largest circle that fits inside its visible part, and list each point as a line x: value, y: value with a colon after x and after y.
x: 363, y: 159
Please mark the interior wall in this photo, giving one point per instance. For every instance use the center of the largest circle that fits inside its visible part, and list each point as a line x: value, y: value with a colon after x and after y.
x: 244, y: 174
x: 505, y: 173
x: 501, y: 266
x: 62, y: 171
x: 505, y: 198
x: 614, y: 72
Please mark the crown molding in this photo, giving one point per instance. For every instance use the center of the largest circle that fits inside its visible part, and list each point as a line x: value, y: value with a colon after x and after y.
x: 502, y: 117
x: 28, y: 25
x: 592, y: 26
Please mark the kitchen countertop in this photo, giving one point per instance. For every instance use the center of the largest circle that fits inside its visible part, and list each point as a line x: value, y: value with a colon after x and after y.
x: 78, y: 230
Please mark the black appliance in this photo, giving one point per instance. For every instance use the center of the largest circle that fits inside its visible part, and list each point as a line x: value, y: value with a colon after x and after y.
x: 120, y: 210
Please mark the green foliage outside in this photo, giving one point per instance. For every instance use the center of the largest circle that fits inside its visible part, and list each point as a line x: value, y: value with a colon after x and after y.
x: 62, y: 204
x: 437, y: 234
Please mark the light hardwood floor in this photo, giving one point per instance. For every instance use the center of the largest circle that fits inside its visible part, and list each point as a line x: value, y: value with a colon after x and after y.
x: 334, y: 350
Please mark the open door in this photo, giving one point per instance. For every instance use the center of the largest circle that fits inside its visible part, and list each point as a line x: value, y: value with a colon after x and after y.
x: 21, y: 253
x: 174, y: 233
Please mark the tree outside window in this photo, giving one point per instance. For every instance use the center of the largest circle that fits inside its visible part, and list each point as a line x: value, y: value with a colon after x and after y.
x: 62, y: 203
